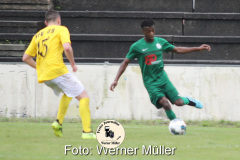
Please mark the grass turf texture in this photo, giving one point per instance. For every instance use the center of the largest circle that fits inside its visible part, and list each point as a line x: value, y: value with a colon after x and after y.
x: 28, y: 140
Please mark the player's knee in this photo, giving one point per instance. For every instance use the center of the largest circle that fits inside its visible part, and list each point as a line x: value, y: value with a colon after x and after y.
x: 82, y: 95
x: 179, y: 102
x: 164, y: 103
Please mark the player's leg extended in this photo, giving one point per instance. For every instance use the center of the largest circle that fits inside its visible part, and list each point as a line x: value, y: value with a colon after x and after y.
x: 174, y: 97
x: 57, y: 125
x: 84, y: 111
x: 163, y: 101
x: 189, y: 101
x: 62, y: 110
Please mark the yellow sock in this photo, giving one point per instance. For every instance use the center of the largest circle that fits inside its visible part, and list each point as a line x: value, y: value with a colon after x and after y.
x: 62, y: 110
x: 85, y: 114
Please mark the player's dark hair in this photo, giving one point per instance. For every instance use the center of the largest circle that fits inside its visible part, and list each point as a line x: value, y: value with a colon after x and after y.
x: 51, y: 15
x: 147, y: 23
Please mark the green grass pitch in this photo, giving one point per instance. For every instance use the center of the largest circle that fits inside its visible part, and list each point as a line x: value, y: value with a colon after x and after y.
x: 36, y: 141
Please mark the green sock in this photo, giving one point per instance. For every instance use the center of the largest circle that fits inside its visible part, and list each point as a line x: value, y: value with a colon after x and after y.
x: 185, y: 100
x: 170, y: 114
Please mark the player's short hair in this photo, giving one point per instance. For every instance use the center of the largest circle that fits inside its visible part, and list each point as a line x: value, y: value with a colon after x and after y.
x: 147, y: 23
x: 51, y: 15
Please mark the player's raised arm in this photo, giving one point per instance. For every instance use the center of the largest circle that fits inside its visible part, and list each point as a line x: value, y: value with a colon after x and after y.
x: 121, y: 69
x: 182, y: 50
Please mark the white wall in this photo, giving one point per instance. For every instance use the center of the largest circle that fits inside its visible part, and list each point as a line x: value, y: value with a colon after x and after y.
x: 218, y: 87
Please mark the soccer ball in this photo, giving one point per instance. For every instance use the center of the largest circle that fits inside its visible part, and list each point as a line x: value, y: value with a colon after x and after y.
x: 177, y: 127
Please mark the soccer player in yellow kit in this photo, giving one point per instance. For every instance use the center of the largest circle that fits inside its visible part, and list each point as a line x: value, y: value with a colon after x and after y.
x: 47, y: 46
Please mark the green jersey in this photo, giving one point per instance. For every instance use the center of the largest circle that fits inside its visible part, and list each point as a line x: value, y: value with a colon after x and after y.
x: 149, y: 55
x: 155, y: 79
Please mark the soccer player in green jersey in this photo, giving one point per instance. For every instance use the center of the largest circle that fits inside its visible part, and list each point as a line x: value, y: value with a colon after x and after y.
x: 148, y: 52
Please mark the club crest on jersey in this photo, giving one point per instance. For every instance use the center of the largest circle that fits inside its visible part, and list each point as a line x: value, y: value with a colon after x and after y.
x: 158, y: 45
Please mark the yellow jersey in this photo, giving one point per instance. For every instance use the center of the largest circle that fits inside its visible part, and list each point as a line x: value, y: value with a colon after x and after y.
x: 47, y: 47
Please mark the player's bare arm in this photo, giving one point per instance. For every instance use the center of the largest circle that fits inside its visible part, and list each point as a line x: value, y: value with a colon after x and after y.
x: 69, y: 54
x: 29, y: 60
x: 182, y: 50
x: 122, y: 68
